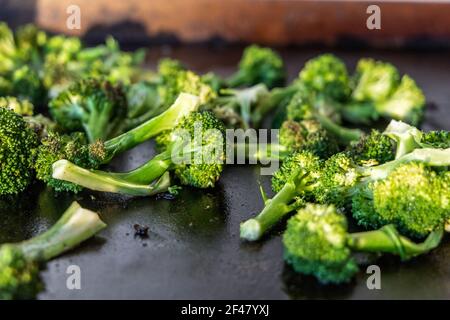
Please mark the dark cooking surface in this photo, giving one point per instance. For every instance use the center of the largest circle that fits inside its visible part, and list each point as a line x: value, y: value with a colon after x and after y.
x: 193, y: 248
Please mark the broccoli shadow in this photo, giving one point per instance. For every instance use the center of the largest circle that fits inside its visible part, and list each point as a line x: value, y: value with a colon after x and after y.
x: 299, y: 286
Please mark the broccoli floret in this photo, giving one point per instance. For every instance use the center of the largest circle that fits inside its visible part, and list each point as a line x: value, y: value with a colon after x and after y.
x: 19, y: 277
x: 259, y: 65
x: 293, y: 184
x: 22, y: 107
x: 326, y: 76
x: 175, y: 78
x: 407, y: 103
x: 17, y: 149
x: 307, y: 135
x: 379, y: 92
x: 303, y: 107
x: 317, y: 242
x: 372, y: 149
x: 20, y: 262
x: 374, y: 80
x: 95, y: 106
x: 413, y: 197
x: 72, y: 147
x: 195, y: 153
x: 75, y: 149
x: 436, y: 139
x: 244, y: 103
x: 341, y: 177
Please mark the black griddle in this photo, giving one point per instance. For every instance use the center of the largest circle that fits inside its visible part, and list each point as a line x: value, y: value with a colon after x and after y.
x: 193, y: 250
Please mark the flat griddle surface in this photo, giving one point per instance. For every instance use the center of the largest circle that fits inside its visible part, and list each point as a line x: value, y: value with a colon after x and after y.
x: 193, y: 249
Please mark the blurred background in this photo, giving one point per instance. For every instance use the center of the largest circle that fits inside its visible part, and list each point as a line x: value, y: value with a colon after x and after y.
x: 413, y: 24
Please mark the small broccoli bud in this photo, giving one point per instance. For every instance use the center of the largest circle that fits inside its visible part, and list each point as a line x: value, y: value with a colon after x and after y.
x: 326, y: 75
x: 74, y: 148
x: 19, y: 277
x: 307, y: 135
x: 94, y: 105
x: 374, y: 80
x: 259, y: 65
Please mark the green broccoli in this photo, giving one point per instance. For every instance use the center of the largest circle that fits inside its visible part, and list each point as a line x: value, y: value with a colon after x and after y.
x: 293, y: 136
x: 74, y: 148
x: 293, y: 184
x: 379, y: 92
x: 305, y: 106
x: 316, y: 242
x: 341, y: 177
x: 20, y: 262
x: 413, y: 197
x: 195, y: 152
x: 373, y: 149
x: 259, y: 65
x: 17, y: 150
x: 95, y: 106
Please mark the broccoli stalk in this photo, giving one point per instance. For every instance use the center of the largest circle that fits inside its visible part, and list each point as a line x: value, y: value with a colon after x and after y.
x: 106, y: 182
x: 303, y: 177
x: 19, y: 262
x: 316, y: 242
x: 294, y: 184
x: 182, y: 107
x: 182, y: 145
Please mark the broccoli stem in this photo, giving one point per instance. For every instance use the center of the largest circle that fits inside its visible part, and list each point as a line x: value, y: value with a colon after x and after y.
x: 429, y: 156
x: 75, y: 226
x: 342, y: 134
x: 406, y: 137
x: 277, y: 98
x: 149, y: 171
x: 254, y: 152
x: 388, y: 240
x: 275, y: 209
x: 184, y: 105
x: 107, y: 182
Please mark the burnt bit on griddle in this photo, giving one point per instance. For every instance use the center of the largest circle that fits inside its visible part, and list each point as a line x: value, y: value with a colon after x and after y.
x: 141, y: 231
x: 165, y: 196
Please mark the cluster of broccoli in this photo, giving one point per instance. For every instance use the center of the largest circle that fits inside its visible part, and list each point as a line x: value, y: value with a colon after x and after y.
x: 396, y: 181
x: 66, y: 111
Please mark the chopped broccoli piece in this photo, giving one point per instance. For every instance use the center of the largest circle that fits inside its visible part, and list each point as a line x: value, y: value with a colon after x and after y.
x: 20, y: 262
x: 259, y: 65
x: 413, y: 198
x: 96, y: 106
x: 17, y: 150
x: 195, y: 153
x: 293, y: 183
x: 317, y: 242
